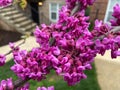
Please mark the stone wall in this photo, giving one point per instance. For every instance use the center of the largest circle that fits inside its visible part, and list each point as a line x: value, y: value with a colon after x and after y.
x: 98, y: 10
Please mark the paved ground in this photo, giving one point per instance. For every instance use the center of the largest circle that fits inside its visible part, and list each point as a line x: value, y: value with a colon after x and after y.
x: 108, y: 70
x: 30, y: 43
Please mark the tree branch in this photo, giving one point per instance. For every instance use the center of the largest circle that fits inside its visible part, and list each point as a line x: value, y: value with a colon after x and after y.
x: 76, y: 8
x: 19, y: 83
x: 114, y: 30
x: 16, y: 46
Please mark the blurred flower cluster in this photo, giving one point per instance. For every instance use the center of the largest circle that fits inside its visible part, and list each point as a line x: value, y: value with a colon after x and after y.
x: 2, y: 60
x: 83, y: 3
x: 116, y: 15
x: 68, y: 47
x: 4, y: 3
x: 6, y: 84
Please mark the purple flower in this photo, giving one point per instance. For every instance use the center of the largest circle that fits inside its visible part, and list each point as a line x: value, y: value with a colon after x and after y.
x: 100, y: 28
x: 42, y: 36
x: 33, y: 64
x: 6, y: 84
x: 25, y: 87
x: 2, y: 60
x: 116, y: 14
x: 54, y: 60
x: 4, y: 3
x: 44, y: 88
x: 68, y: 46
x: 56, y: 51
x: 62, y: 42
x: 114, y: 54
x: 10, y: 84
x: 84, y: 3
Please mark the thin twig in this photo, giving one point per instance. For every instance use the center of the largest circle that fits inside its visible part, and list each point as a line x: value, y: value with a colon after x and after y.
x: 16, y: 46
x: 19, y: 82
x: 114, y: 30
x: 76, y: 8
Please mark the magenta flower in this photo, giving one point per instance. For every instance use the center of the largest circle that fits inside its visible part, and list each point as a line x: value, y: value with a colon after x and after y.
x: 83, y: 3
x: 6, y: 84
x: 116, y: 15
x: 34, y: 65
x: 100, y: 28
x: 4, y: 3
x: 25, y: 87
x: 68, y: 51
x: 116, y: 12
x: 67, y: 47
x: 44, y: 88
x: 2, y: 60
x: 56, y: 51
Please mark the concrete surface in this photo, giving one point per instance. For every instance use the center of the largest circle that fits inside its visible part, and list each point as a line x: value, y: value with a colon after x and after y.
x: 108, y: 72
x: 28, y: 45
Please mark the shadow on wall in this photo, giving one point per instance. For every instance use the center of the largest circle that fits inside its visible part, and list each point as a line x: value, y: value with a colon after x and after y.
x: 8, y: 36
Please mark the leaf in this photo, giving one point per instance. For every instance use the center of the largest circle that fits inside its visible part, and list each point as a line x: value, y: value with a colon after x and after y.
x: 23, y: 4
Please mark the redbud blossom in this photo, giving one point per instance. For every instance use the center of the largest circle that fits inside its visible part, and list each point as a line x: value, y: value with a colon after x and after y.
x: 6, y: 84
x: 2, y: 60
x: 4, y: 3
x: 116, y: 15
x: 44, y: 88
x: 68, y: 46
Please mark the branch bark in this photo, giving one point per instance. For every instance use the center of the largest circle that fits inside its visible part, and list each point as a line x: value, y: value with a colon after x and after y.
x: 76, y: 8
x: 19, y: 83
x: 16, y: 46
x: 114, y: 30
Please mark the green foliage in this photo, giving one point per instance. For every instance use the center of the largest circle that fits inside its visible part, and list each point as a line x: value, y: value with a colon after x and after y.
x: 91, y: 26
x: 5, y: 71
x: 21, y: 3
x: 87, y: 11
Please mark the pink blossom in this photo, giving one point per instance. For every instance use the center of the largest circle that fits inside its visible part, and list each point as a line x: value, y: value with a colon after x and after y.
x: 2, y: 60
x: 44, y: 88
x: 6, y: 84
x: 116, y: 15
x: 4, y: 3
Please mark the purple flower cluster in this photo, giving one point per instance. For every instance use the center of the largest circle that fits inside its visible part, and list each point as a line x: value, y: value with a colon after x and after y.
x: 116, y: 15
x: 25, y: 87
x: 44, y: 88
x: 4, y: 3
x: 2, y: 60
x: 6, y: 84
x: 109, y: 41
x: 67, y: 37
x: 75, y: 46
x: 68, y: 47
x: 100, y: 28
x: 31, y: 65
x: 83, y: 3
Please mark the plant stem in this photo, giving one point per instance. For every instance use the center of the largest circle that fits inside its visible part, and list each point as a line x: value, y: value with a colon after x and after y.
x: 19, y: 83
